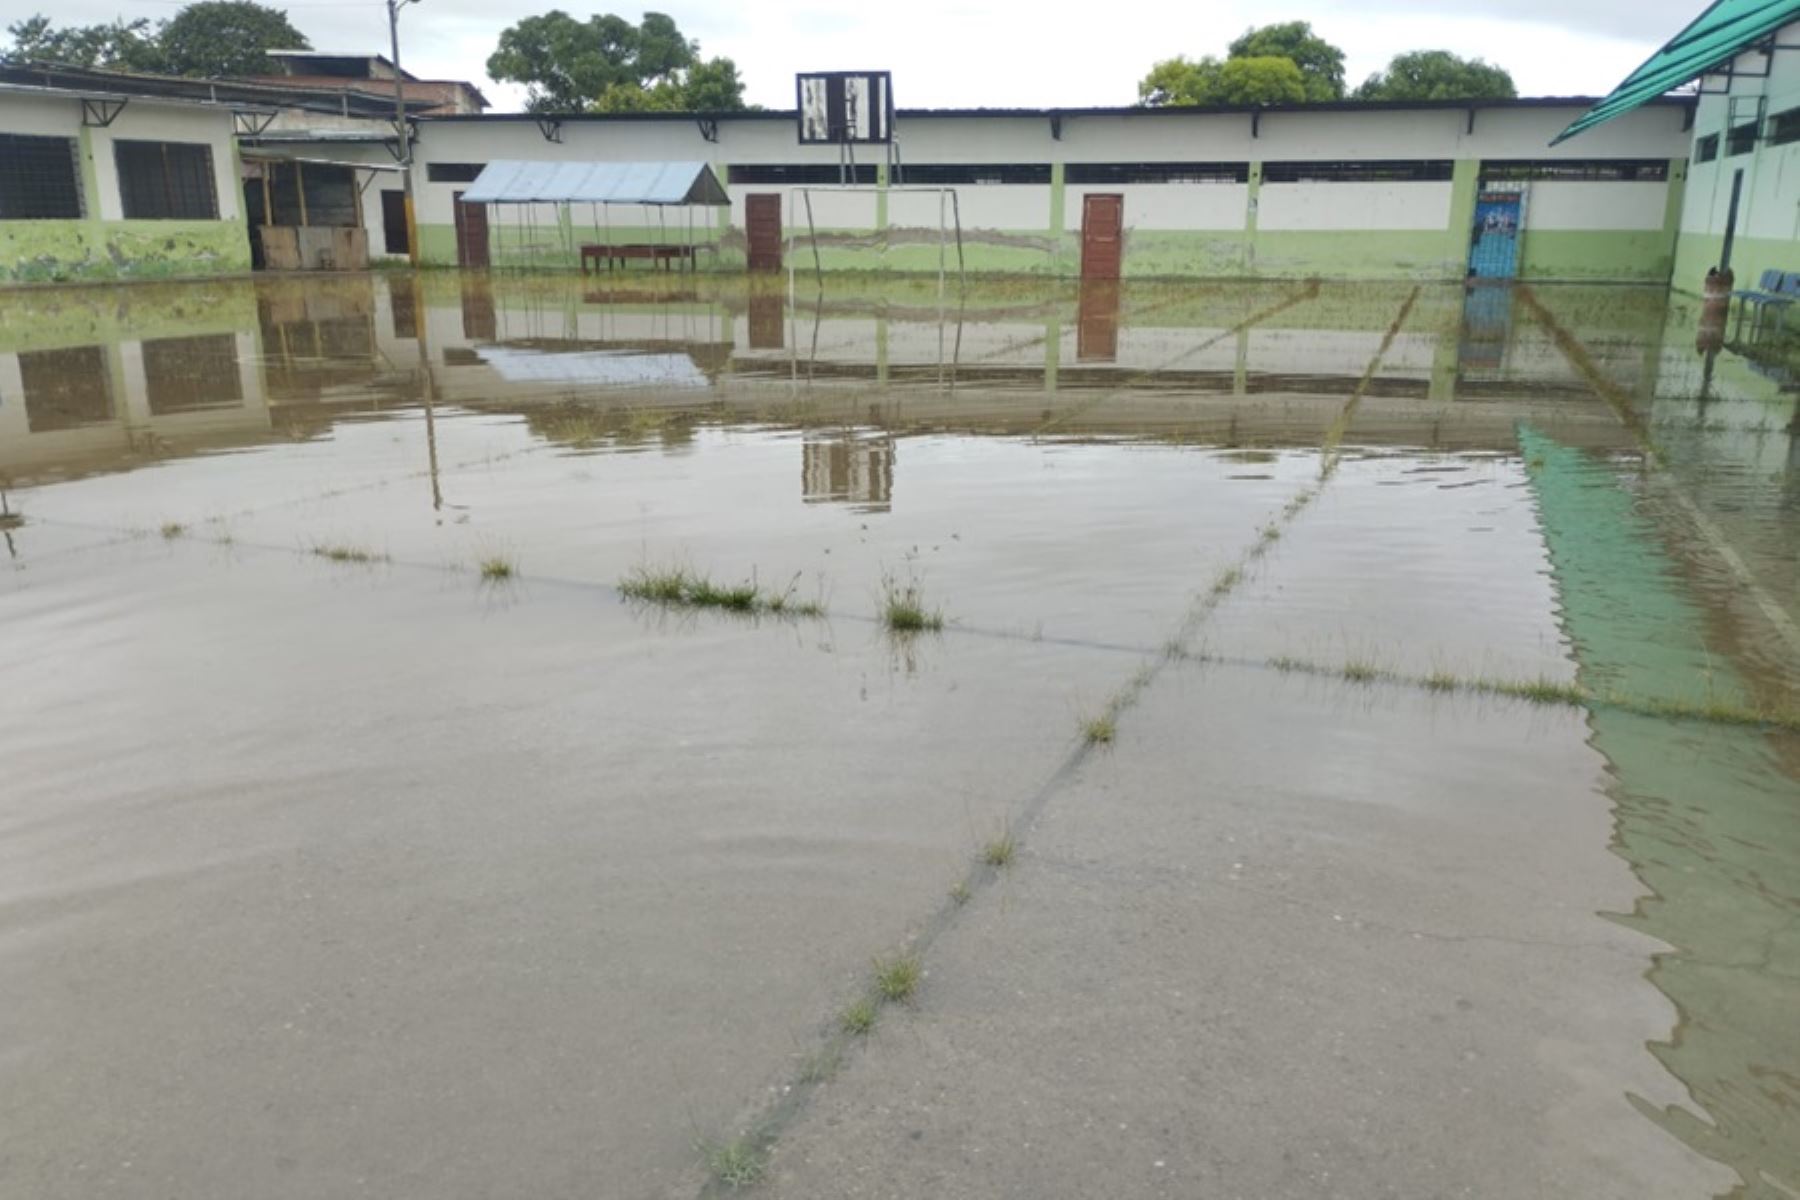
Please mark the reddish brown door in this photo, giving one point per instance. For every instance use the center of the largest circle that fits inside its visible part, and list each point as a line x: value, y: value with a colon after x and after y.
x: 471, y: 233
x: 1102, y: 226
x: 762, y: 224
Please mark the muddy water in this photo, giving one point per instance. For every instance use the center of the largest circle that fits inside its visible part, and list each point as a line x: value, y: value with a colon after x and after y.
x: 329, y: 878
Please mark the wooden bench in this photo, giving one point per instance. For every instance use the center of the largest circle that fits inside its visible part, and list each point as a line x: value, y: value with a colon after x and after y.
x: 668, y: 256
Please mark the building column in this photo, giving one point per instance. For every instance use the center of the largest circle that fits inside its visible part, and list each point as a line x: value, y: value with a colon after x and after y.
x: 1247, y: 263
x: 1465, y: 183
x: 1672, y: 202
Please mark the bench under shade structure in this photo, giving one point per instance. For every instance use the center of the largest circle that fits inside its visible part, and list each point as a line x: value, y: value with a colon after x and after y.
x: 548, y: 214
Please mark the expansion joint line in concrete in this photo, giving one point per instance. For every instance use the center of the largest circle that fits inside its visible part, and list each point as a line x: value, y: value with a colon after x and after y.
x: 764, y: 1130
x: 1619, y: 401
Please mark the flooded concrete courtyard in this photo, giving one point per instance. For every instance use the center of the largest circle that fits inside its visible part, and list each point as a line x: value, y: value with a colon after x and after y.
x: 1360, y: 755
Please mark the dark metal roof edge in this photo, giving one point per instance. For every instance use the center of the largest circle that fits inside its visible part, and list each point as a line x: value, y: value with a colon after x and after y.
x: 1133, y: 110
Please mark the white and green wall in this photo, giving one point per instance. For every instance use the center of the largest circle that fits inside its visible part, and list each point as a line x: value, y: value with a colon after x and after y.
x: 1245, y: 225
x: 1757, y: 90
x: 101, y: 244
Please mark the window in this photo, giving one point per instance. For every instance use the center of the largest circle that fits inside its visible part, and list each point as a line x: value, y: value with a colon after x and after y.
x: 452, y: 172
x: 1397, y: 170
x: 1784, y: 127
x: 40, y: 180
x: 1157, y: 172
x: 65, y: 389
x: 1707, y: 148
x: 1741, y: 139
x: 166, y: 181
x: 821, y: 173
x: 1624, y: 170
x: 954, y: 173
x: 313, y: 194
x: 189, y: 373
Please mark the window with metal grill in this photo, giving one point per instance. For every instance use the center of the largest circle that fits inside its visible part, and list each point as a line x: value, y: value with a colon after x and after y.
x: 1385, y: 170
x: 452, y: 172
x: 40, y: 181
x: 936, y: 174
x: 1740, y: 139
x: 166, y: 181
x: 189, y: 373
x: 1157, y: 172
x: 1784, y: 127
x: 798, y: 173
x: 1707, y: 148
x: 1624, y: 170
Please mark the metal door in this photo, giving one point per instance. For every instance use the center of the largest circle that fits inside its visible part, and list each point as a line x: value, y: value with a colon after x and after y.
x: 1102, y: 230
x: 471, y: 233
x: 1494, y: 246
x: 762, y: 226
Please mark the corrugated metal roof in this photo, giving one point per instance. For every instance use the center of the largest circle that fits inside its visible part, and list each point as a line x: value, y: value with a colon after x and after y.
x: 517, y: 181
x: 1722, y: 31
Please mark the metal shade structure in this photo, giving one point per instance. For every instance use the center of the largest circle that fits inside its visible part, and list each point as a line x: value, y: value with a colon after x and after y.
x: 518, y: 181
x: 529, y: 187
x: 1717, y: 35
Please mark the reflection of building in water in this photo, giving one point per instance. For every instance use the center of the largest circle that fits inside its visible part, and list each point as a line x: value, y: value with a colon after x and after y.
x: 69, y: 409
x: 854, y: 468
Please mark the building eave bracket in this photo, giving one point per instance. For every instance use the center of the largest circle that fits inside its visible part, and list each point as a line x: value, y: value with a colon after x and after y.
x: 98, y: 114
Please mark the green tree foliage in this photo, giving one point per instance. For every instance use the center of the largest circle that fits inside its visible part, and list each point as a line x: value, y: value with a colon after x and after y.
x: 210, y: 38
x: 125, y: 45
x: 1437, y: 75
x: 1236, y: 81
x: 609, y: 64
x: 1321, y: 64
x: 225, y: 38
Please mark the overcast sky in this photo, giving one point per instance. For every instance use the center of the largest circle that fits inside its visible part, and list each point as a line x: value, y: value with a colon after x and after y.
x: 1035, y: 53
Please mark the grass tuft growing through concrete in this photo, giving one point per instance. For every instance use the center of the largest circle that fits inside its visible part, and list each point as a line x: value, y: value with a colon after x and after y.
x: 897, y: 978
x: 903, y: 607
x: 859, y: 1018
x: 682, y: 587
x: 999, y: 852
x: 343, y: 552
x: 1100, y: 730
x: 496, y: 568
x: 173, y: 529
x: 738, y: 1163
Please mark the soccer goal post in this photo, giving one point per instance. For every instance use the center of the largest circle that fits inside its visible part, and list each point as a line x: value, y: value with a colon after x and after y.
x: 828, y: 216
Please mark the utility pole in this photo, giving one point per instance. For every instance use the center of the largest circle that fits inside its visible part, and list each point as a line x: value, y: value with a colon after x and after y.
x: 403, y: 131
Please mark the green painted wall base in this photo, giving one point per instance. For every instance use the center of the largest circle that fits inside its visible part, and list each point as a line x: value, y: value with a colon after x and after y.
x: 1750, y: 257
x: 61, y: 251
x: 1412, y: 255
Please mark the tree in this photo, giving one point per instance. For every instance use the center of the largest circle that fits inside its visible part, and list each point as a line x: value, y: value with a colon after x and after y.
x: 126, y: 45
x: 211, y: 38
x: 609, y: 64
x: 215, y: 38
x: 1236, y: 81
x: 1437, y: 75
x: 1321, y: 64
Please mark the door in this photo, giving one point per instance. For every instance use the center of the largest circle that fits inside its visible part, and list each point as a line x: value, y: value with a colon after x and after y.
x: 393, y: 220
x: 1102, y: 230
x: 762, y: 225
x: 1494, y: 247
x: 471, y: 233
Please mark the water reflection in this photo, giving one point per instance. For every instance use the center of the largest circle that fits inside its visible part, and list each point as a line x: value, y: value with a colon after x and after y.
x: 95, y: 380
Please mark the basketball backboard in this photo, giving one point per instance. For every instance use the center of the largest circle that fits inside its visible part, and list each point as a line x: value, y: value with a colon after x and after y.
x: 843, y: 107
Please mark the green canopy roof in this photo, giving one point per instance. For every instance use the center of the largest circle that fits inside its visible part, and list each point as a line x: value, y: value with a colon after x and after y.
x: 1717, y: 34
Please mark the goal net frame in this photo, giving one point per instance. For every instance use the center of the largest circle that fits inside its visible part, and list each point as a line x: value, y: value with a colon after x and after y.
x: 802, y: 197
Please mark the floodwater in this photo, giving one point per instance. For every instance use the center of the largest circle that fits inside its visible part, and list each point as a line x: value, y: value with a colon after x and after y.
x: 330, y: 866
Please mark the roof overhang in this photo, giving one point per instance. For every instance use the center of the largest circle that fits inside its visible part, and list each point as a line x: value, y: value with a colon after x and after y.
x: 1725, y: 30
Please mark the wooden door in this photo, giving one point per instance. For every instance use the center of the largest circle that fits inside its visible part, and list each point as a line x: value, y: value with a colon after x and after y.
x: 762, y: 225
x: 1102, y: 230
x: 471, y: 233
